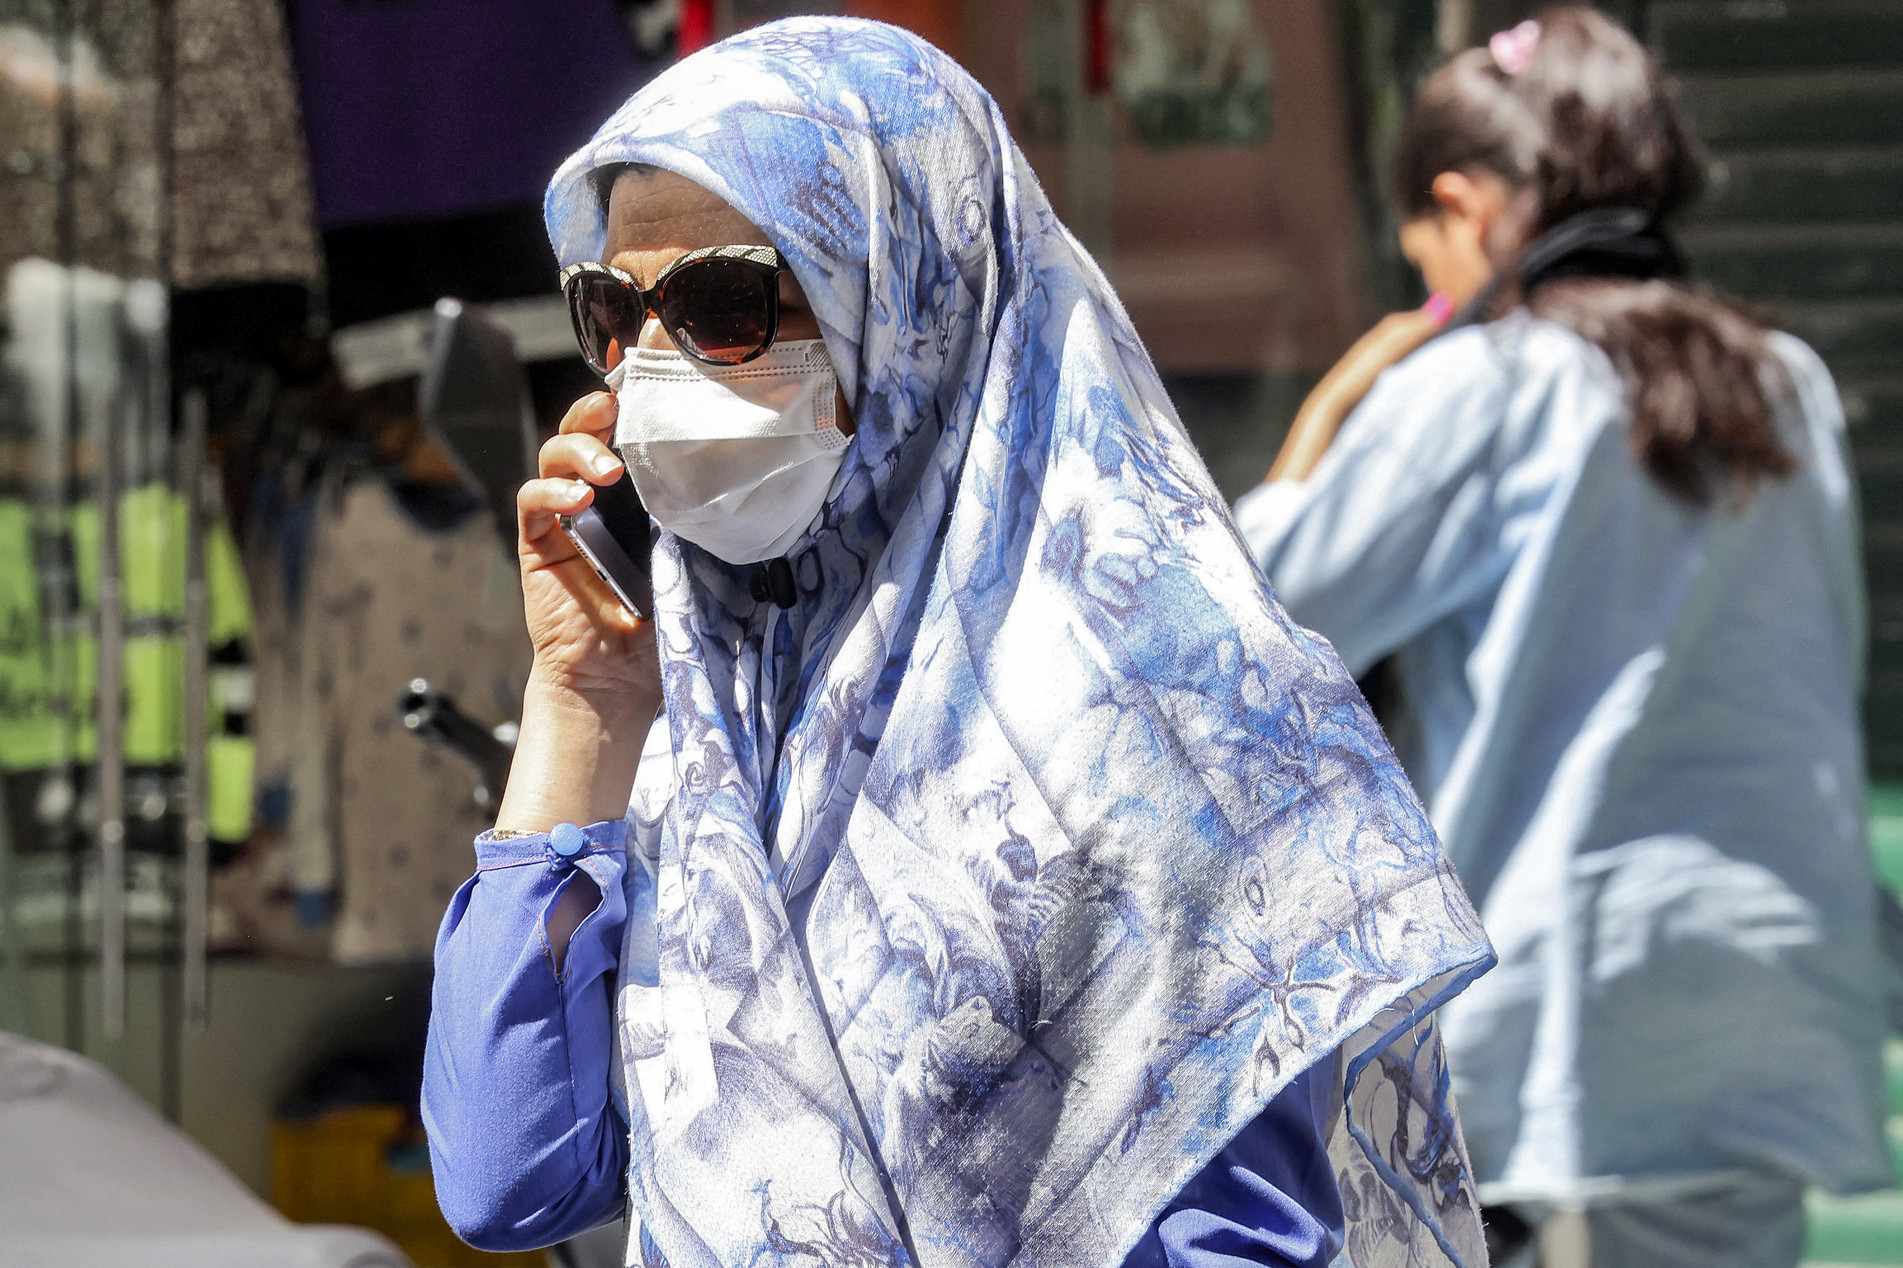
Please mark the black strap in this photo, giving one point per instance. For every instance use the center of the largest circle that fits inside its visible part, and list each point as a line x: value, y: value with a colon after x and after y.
x: 1609, y: 242
x: 772, y: 582
x: 1621, y: 242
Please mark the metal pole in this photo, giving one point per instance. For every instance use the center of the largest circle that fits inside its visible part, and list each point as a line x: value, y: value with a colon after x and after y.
x: 197, y: 731
x: 1453, y: 26
x: 52, y: 534
x: 111, y: 713
x: 12, y: 959
x: 158, y: 431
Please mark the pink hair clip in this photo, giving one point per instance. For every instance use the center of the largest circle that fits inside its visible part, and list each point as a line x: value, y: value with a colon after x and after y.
x: 1512, y: 49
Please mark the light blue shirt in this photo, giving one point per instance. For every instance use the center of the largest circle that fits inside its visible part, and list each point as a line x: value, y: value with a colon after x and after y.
x: 1635, y: 725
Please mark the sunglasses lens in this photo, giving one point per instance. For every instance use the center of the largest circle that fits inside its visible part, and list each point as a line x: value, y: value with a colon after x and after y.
x: 719, y: 310
x: 607, y: 318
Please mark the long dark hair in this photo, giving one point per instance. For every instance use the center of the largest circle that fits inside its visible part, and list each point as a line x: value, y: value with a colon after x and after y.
x: 1589, y: 122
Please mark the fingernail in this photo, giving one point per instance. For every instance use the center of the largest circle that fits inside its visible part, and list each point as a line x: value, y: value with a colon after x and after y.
x: 604, y: 464
x: 578, y: 488
x: 1440, y: 307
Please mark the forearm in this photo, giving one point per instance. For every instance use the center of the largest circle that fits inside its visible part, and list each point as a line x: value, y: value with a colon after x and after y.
x: 1346, y: 383
x: 576, y: 755
x: 1315, y: 425
x: 526, y: 1145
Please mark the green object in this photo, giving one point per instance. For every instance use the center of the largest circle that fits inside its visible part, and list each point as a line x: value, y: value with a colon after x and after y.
x: 29, y: 727
x: 154, y: 733
x: 152, y: 552
x: 34, y: 732
x: 1867, y: 1229
x: 1886, y: 833
x: 230, y: 603
x: 228, y: 777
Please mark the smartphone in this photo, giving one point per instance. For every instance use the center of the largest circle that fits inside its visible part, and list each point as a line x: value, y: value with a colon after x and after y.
x: 616, y: 538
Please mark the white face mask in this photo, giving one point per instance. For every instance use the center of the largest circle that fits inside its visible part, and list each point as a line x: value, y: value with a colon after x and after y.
x: 736, y: 459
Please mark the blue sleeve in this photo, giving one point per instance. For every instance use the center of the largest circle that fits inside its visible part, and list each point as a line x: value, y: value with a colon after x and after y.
x: 1269, y: 1198
x: 526, y: 1145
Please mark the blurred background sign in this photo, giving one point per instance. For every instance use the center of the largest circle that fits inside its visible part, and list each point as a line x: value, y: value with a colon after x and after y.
x: 1192, y: 72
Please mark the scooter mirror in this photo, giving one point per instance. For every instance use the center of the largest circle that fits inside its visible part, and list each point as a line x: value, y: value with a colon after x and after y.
x: 474, y: 402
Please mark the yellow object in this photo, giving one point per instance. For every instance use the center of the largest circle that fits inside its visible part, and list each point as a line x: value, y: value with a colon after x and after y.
x: 38, y: 728
x: 228, y: 783
x: 154, y: 727
x: 365, y: 1166
x: 29, y: 728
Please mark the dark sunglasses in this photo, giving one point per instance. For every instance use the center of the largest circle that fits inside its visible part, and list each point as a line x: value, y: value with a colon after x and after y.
x: 720, y: 305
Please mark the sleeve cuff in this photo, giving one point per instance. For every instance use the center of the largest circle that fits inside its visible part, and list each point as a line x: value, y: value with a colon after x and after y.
x: 506, y: 848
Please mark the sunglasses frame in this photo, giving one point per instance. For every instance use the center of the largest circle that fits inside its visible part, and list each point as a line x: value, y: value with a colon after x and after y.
x: 650, y: 299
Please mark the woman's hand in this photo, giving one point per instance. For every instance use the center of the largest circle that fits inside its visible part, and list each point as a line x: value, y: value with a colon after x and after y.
x: 596, y: 684
x: 584, y: 638
x: 1341, y: 389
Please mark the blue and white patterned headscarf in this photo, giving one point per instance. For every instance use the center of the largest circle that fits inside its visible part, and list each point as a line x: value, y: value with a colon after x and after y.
x: 1088, y: 850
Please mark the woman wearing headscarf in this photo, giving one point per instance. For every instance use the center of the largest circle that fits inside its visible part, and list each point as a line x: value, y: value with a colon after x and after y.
x: 1605, y: 526
x: 1007, y: 881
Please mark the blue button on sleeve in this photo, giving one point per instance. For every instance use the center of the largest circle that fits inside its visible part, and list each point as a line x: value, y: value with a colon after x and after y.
x: 526, y: 1146
x: 567, y: 840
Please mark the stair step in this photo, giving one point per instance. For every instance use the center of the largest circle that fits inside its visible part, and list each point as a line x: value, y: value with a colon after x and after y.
x: 1798, y: 261
x: 1760, y: 34
x: 1843, y: 183
x: 1880, y: 482
x: 1808, y: 107
x: 1867, y: 1229
x: 1886, y: 602
x: 1857, y: 337
x: 1883, y: 725
x: 1873, y: 407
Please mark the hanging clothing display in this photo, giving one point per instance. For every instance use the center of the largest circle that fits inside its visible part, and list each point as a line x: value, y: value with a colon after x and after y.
x: 152, y: 526
x: 29, y: 726
x: 37, y: 731
x: 102, y: 79
x: 377, y: 821
x: 83, y: 346
x: 239, y: 190
x: 492, y: 96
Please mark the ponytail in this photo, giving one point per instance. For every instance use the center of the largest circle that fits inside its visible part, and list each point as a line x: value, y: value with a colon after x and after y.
x: 1698, y: 376
x: 1575, y: 118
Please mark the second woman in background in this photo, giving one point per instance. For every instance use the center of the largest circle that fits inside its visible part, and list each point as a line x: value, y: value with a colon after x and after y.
x: 1605, y: 526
